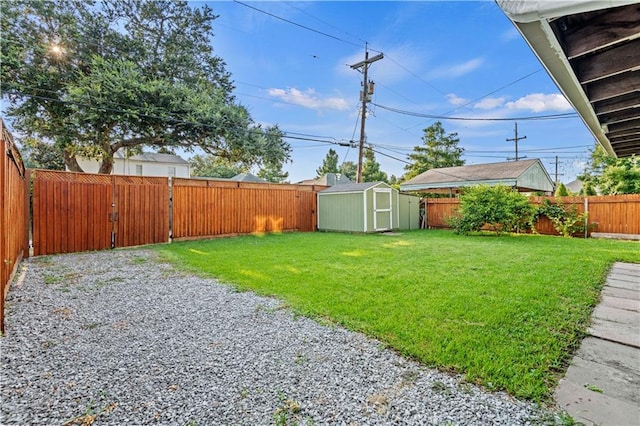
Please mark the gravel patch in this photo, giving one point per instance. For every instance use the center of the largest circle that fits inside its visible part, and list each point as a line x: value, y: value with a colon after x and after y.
x: 117, y: 337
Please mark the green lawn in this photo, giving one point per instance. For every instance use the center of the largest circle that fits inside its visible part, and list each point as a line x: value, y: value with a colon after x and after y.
x: 505, y: 311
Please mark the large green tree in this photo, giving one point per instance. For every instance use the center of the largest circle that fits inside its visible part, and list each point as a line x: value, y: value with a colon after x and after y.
x: 439, y: 150
x: 216, y: 167
x: 273, y: 173
x: 41, y: 155
x: 95, y: 77
x: 349, y: 169
x: 371, y: 171
x: 610, y: 175
x: 329, y: 164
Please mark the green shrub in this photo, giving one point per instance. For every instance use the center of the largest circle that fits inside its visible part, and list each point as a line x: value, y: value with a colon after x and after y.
x: 500, y: 207
x: 566, y: 220
x: 561, y: 190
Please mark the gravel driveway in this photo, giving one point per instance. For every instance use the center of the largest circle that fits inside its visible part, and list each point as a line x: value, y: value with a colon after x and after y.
x: 117, y: 337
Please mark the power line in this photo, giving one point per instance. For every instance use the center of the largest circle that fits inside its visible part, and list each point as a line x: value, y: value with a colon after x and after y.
x: 296, y: 24
x: 444, y: 117
x: 324, y: 22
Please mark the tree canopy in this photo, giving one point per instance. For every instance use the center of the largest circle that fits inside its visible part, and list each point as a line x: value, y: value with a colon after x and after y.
x: 349, y: 169
x: 329, y: 164
x: 216, y: 167
x: 439, y: 150
x: 609, y: 175
x: 273, y: 173
x: 93, y: 78
x: 371, y: 171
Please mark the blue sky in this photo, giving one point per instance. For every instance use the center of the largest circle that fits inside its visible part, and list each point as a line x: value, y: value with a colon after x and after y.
x: 458, y: 58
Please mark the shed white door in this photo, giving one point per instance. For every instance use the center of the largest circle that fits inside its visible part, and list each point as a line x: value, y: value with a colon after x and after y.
x: 382, y: 209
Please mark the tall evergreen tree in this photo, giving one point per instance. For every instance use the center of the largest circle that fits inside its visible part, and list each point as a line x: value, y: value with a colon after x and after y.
x: 439, y: 150
x: 329, y: 164
x: 371, y: 171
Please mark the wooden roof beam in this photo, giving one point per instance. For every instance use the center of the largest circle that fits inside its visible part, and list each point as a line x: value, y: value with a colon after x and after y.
x: 601, y: 30
x: 607, y: 63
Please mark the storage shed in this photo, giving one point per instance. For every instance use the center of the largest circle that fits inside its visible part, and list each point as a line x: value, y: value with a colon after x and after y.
x: 366, y: 207
x: 523, y: 175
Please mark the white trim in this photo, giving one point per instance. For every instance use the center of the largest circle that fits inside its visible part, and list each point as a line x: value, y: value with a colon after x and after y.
x: 317, y: 211
x: 364, y: 209
x: 376, y: 210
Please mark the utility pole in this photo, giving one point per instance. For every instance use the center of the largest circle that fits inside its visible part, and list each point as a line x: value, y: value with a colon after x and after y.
x: 516, y: 139
x: 557, y: 174
x: 367, y: 89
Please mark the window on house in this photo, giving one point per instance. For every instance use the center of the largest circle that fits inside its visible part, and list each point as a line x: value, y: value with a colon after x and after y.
x: 172, y: 171
x: 139, y: 169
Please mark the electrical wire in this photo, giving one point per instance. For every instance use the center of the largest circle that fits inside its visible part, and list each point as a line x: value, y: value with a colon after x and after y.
x: 296, y: 24
x: 444, y: 117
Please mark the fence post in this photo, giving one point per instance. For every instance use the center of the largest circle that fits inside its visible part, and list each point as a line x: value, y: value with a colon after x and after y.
x: 586, y: 217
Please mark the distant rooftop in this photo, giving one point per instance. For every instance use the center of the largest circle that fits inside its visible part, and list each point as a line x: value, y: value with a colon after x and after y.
x: 152, y: 157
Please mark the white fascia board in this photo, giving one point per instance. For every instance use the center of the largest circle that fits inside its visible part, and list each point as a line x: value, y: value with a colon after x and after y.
x: 536, y: 10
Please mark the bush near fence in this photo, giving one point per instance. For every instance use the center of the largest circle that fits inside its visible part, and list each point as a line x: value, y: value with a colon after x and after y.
x: 618, y: 214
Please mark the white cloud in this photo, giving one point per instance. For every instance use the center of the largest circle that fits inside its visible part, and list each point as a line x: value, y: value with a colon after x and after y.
x: 456, y: 70
x: 540, y: 102
x: 510, y: 34
x: 466, y: 67
x: 455, y: 100
x: 308, y: 99
x: 397, y: 65
x: 489, y: 103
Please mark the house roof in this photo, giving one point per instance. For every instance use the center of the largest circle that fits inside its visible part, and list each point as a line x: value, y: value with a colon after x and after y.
x: 328, y: 179
x: 152, y: 157
x: 574, y: 185
x: 527, y: 175
x: 247, y: 177
x: 351, y: 187
x: 591, y: 49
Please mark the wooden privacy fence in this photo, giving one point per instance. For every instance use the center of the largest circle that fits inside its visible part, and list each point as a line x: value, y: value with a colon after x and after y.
x: 618, y: 214
x: 75, y: 212
x: 79, y: 212
x: 14, y: 213
x: 204, y: 208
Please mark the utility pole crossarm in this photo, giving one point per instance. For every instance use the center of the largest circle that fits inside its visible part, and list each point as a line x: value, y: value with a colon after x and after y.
x: 516, y: 139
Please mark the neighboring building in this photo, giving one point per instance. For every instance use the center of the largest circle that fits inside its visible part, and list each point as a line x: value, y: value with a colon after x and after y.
x: 145, y: 164
x: 523, y: 175
x: 367, y: 207
x: 328, y: 179
x: 575, y: 186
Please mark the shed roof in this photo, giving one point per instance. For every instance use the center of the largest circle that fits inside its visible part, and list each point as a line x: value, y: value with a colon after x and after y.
x: 508, y: 173
x: 152, y: 157
x: 352, y: 187
x: 591, y: 49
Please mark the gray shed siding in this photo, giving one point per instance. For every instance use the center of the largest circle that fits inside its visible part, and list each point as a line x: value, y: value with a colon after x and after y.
x: 408, y: 212
x: 536, y: 177
x: 341, y: 212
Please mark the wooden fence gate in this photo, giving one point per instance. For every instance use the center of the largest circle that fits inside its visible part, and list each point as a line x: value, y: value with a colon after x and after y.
x: 75, y: 212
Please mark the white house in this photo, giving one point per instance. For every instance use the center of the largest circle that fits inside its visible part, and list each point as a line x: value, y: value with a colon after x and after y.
x: 145, y: 164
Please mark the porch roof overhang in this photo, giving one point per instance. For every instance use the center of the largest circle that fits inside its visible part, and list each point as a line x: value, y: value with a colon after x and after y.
x: 591, y: 49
